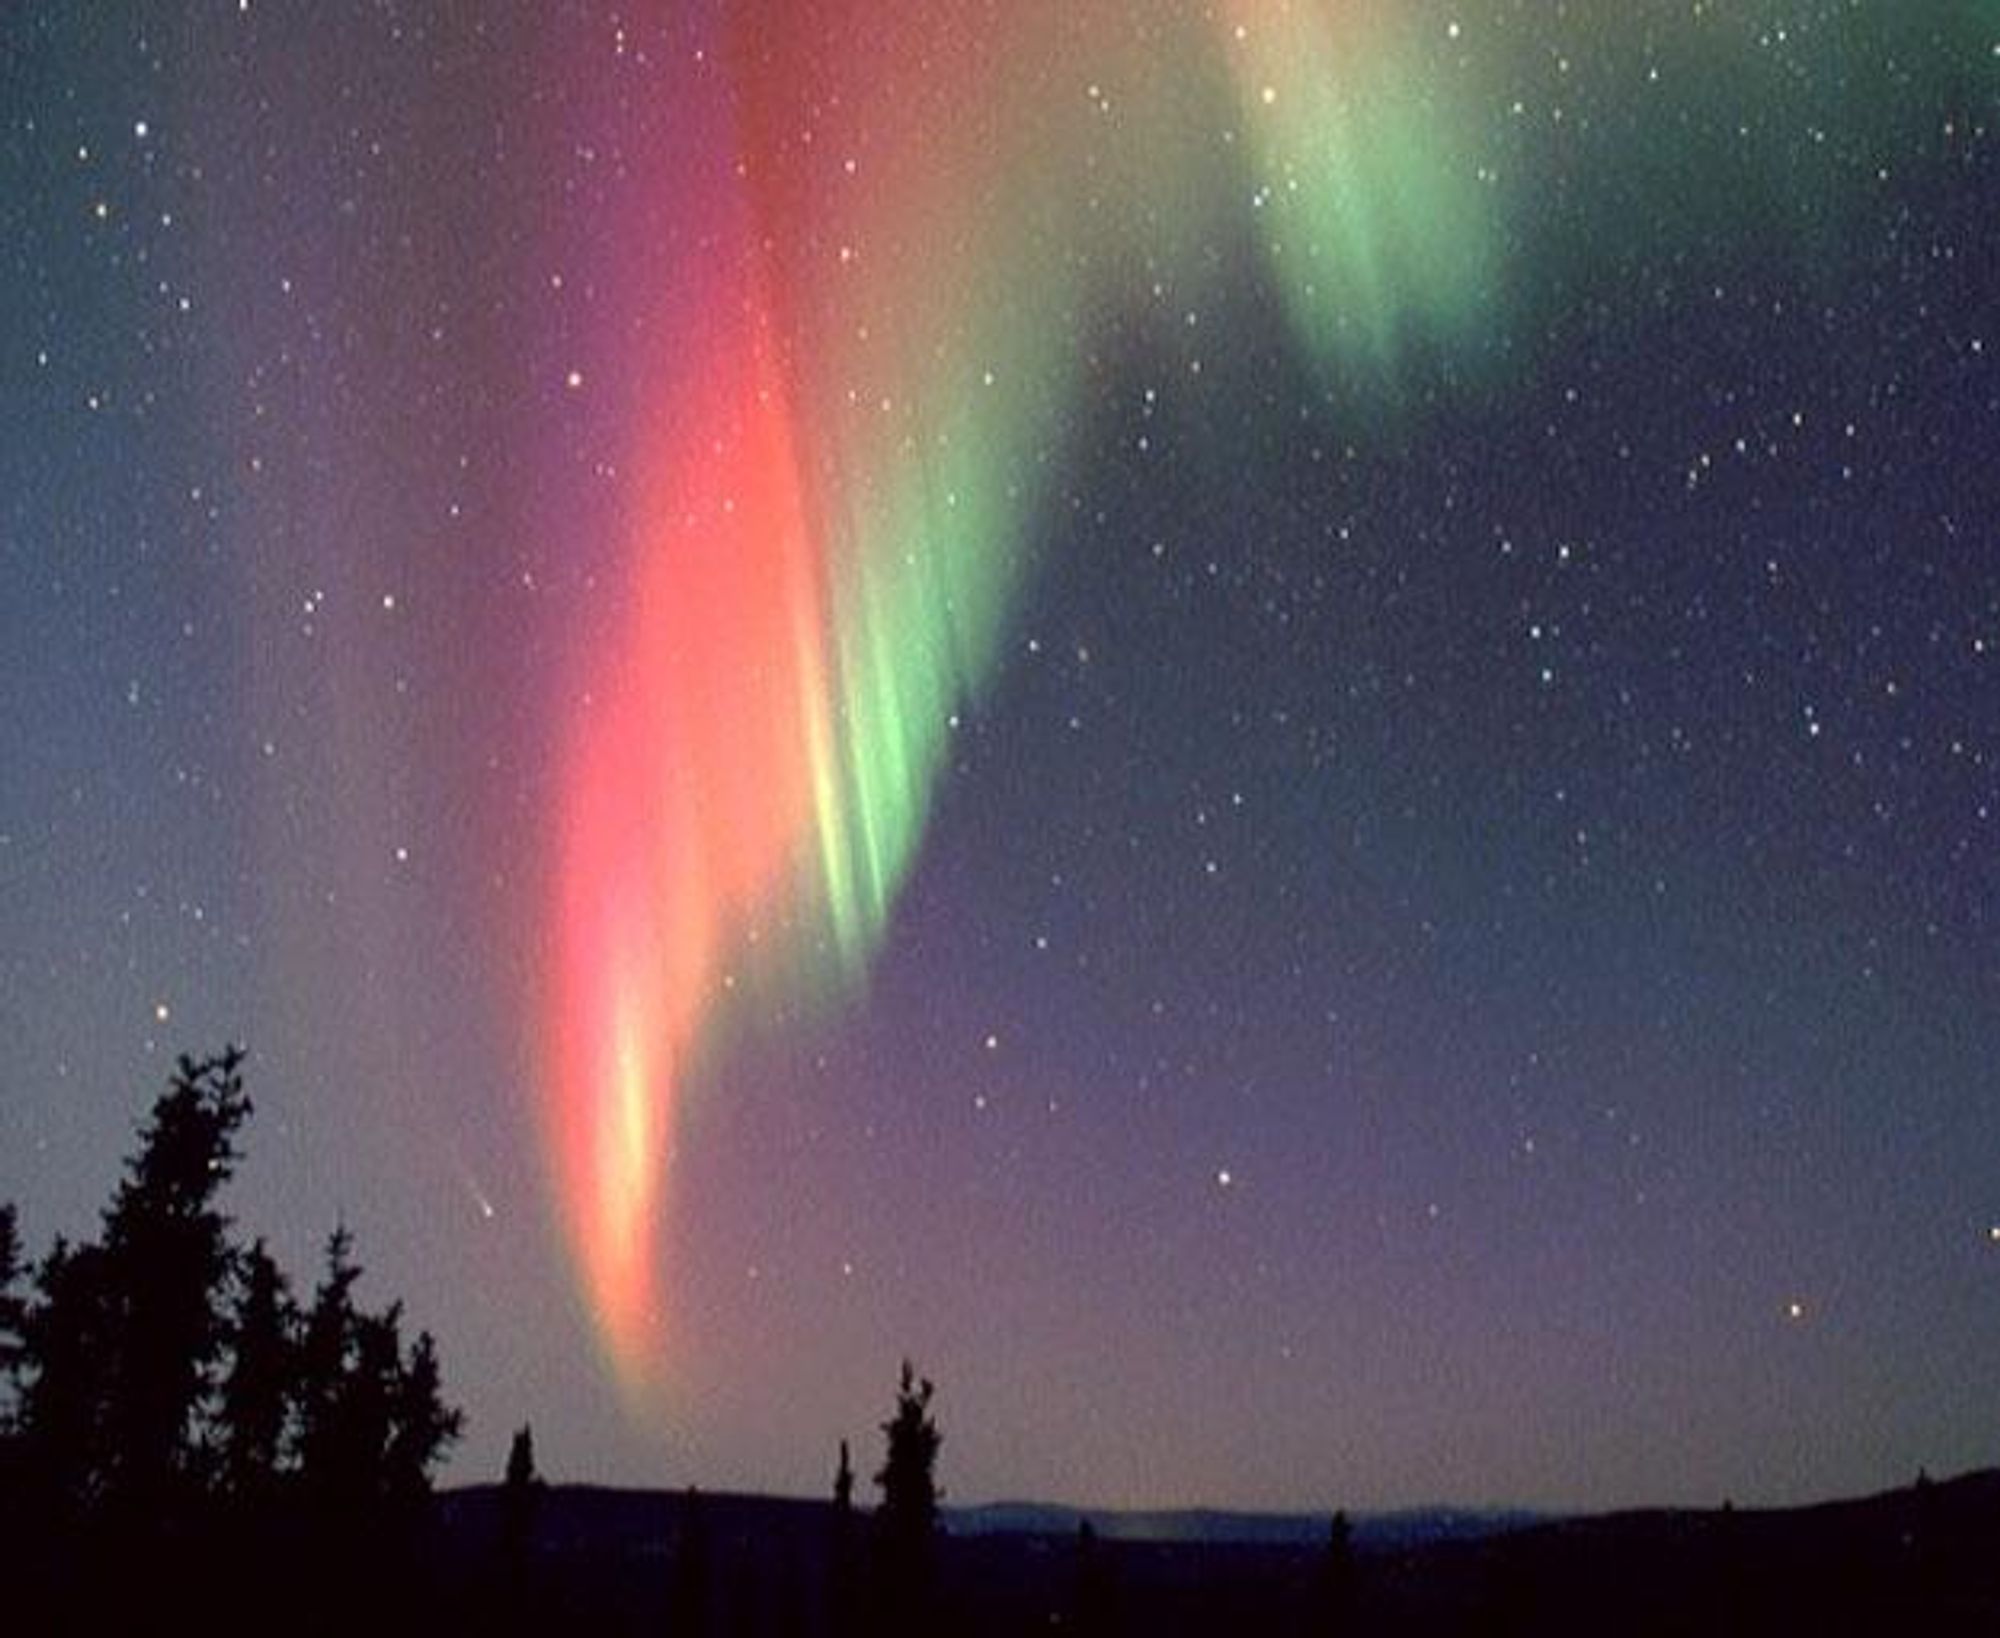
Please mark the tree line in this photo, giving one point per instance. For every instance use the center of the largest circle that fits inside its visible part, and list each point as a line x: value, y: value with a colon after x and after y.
x: 187, y: 1440
x: 165, y: 1396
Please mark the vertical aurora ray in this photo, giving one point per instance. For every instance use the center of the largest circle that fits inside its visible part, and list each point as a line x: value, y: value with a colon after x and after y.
x: 931, y: 207
x: 686, y: 793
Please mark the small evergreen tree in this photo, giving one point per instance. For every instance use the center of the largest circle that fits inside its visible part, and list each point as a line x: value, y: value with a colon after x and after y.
x: 422, y: 1427
x: 520, y: 1497
x: 843, y: 1580
x: 843, y: 1485
x: 908, y: 1477
x: 520, y: 1500
x: 521, y: 1475
x: 907, y: 1518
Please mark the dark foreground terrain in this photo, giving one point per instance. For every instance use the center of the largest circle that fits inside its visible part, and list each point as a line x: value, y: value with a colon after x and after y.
x: 1925, y: 1559
x: 575, y: 1559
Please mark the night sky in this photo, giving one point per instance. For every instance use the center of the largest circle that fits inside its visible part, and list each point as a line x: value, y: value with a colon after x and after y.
x: 1272, y: 727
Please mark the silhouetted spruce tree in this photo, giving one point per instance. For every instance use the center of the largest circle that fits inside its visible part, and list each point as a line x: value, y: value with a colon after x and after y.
x: 843, y: 1486
x: 17, y: 1513
x: 371, y: 1421
x: 367, y: 1407
x: 122, y: 1346
x: 325, y: 1350
x: 422, y: 1427
x: 404, y: 1426
x: 125, y: 1336
x: 907, y: 1518
x: 167, y: 1260
x: 908, y: 1477
x: 58, y: 1446
x: 13, y: 1314
x: 67, y: 1341
x: 520, y: 1500
x: 13, y: 1357
x: 521, y: 1476
x: 370, y: 1425
x: 843, y: 1578
x: 254, y: 1420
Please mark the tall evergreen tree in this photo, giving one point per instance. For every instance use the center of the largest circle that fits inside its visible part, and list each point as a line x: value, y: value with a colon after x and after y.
x: 255, y: 1414
x: 13, y: 1316
x: 124, y: 1338
x: 67, y: 1338
x: 325, y: 1350
x: 160, y: 1366
x: 168, y: 1260
x: 366, y: 1413
x: 372, y: 1424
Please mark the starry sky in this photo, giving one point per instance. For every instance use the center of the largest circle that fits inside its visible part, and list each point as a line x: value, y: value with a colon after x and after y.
x: 1273, y: 726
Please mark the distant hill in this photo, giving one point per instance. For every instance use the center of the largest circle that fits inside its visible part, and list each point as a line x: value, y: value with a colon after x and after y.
x: 1373, y: 1532
x: 609, y: 1516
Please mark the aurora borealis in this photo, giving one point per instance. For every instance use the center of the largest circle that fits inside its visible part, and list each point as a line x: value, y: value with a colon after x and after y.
x: 836, y: 535
x: 1270, y: 725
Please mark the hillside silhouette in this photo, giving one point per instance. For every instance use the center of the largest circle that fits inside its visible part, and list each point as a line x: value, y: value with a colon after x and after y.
x: 1918, y: 1559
